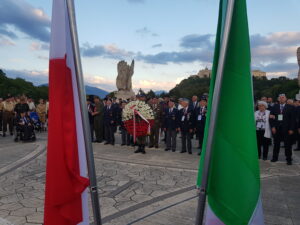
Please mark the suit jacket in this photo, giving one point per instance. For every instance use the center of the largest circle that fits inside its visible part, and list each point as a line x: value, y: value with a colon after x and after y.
x: 289, y: 118
x: 110, y: 115
x: 171, y: 119
x: 186, y: 119
x: 200, y: 117
x: 194, y: 107
x: 90, y: 110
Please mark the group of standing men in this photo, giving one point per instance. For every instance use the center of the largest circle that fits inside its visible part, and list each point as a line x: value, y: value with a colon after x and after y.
x: 170, y: 118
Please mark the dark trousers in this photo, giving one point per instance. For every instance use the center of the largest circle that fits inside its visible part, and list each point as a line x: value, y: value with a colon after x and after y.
x: 92, y: 131
x: 109, y: 133
x: 8, y: 119
x: 141, y: 140
x: 200, y: 135
x: 186, y: 141
x: 287, y: 139
x: 154, y: 135
x: 297, y: 139
x: 171, y: 139
x: 98, y: 127
x: 125, y: 137
x: 262, y: 142
x: 1, y: 120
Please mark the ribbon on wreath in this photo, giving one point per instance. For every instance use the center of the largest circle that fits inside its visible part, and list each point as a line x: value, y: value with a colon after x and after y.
x: 135, y: 112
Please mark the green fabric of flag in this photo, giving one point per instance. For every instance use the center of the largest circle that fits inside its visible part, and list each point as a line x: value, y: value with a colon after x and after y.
x: 234, y: 179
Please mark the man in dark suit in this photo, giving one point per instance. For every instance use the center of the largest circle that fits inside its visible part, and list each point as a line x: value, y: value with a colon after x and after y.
x: 283, y: 123
x: 200, y: 118
x: 187, y: 126
x: 171, y: 125
x: 98, y: 119
x: 110, y: 119
x: 90, y: 108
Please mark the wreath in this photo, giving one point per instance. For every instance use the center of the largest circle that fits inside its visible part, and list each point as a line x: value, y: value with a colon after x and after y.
x: 138, y: 118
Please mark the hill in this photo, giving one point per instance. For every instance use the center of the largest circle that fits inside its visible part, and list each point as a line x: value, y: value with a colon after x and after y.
x: 262, y: 87
x: 20, y: 86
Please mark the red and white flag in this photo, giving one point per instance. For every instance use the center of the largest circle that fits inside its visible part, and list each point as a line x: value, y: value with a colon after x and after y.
x: 66, y: 199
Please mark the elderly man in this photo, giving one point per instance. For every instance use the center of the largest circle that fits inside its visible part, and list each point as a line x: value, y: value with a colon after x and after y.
x: 283, y: 124
x: 8, y: 116
x: 154, y: 136
x: 200, y: 114
x: 171, y: 125
x: 187, y: 126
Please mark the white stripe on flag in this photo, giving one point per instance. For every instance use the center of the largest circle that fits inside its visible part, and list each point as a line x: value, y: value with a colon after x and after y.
x: 79, y: 128
x: 257, y: 217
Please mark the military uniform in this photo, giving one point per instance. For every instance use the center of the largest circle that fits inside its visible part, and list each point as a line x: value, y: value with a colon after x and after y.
x: 110, y: 119
x: 154, y: 136
x: 171, y: 126
x: 8, y: 116
x: 98, y: 121
x: 187, y: 125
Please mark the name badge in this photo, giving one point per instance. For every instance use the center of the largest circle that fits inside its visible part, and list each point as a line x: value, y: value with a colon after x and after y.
x: 280, y: 117
x: 199, y: 117
x: 183, y: 117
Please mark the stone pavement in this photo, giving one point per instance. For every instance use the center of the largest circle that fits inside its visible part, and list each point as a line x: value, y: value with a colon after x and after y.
x: 157, y: 188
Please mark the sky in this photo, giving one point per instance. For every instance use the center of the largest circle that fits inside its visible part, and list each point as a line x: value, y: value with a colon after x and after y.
x: 168, y: 39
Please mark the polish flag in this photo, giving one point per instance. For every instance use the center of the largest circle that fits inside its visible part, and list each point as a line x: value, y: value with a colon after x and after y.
x: 66, y: 197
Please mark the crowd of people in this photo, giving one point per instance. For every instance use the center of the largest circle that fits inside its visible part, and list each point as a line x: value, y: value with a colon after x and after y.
x: 276, y: 122
x: 20, y: 117
x: 170, y: 118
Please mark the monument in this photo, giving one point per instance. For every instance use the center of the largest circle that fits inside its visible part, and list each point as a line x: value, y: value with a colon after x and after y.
x: 124, y: 80
x: 298, y: 57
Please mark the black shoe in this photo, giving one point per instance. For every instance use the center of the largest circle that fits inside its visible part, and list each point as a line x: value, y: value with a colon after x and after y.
x: 297, y: 149
x: 113, y: 143
x: 122, y: 144
x: 4, y: 135
x: 167, y: 149
x: 128, y: 144
x: 265, y: 158
x: 289, y: 163
x: 106, y: 143
x: 156, y: 146
x: 151, y: 146
x: 99, y: 141
x: 173, y: 150
x: 143, y: 151
x: 137, y: 151
x: 16, y: 139
x: 274, y: 160
x: 190, y: 153
x: 182, y: 151
x: 11, y: 134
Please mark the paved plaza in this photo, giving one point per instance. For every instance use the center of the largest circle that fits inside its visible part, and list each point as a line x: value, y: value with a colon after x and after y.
x: 157, y: 188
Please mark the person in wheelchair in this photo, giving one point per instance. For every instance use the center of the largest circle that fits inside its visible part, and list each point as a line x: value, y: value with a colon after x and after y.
x: 36, y: 120
x: 25, y: 128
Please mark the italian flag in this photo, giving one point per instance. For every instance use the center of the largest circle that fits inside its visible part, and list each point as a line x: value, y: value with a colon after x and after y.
x: 66, y: 197
x: 233, y: 192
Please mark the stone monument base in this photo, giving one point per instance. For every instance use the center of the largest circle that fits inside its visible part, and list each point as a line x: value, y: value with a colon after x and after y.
x: 124, y: 94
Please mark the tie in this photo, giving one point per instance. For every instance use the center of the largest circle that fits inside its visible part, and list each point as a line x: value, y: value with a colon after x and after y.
x: 281, y: 108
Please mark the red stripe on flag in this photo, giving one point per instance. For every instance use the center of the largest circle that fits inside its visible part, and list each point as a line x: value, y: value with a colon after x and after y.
x: 64, y: 185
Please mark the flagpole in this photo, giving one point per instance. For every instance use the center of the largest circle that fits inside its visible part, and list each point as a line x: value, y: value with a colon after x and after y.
x: 213, y: 116
x: 84, y: 114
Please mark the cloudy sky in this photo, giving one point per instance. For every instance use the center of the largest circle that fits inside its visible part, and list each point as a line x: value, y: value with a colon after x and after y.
x: 169, y: 39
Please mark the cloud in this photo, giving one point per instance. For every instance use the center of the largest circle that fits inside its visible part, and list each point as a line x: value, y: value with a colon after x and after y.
x: 157, y: 46
x: 5, y: 31
x: 107, y: 51
x: 24, y: 17
x: 177, y: 57
x: 145, y: 31
x: 197, y: 41
x: 37, y: 46
x: 146, y: 85
x: 285, y: 38
x: 258, y: 40
x: 35, y: 76
x: 6, y: 42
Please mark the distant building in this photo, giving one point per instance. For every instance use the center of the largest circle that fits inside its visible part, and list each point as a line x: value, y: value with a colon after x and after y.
x: 206, y: 73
